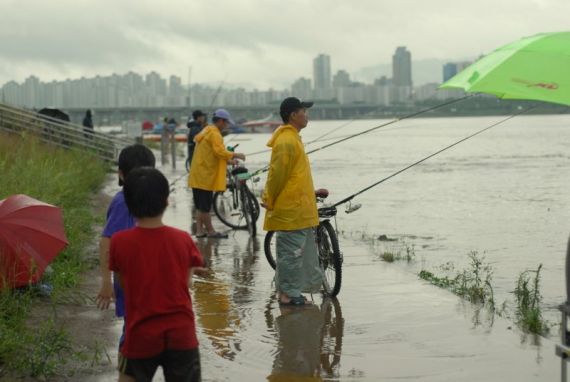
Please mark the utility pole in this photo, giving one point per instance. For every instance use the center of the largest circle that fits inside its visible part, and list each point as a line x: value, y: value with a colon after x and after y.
x: 189, y: 102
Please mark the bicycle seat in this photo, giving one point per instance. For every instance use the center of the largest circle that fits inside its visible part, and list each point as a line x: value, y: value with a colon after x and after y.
x: 239, y: 170
x: 322, y: 193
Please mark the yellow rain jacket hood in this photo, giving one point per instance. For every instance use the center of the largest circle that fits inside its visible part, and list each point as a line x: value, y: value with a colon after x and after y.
x: 289, y: 192
x: 209, y: 162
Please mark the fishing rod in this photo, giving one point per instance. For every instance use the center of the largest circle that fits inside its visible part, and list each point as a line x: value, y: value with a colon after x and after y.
x: 408, y: 116
x: 392, y: 122
x: 320, y: 138
x: 349, y: 198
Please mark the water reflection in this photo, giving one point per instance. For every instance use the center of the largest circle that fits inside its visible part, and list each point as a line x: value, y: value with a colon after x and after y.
x: 215, y: 313
x: 309, y: 341
x: 243, y: 273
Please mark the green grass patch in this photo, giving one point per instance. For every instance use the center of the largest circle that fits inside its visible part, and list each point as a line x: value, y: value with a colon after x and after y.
x: 528, y: 299
x: 473, y: 284
x: 67, y: 179
x: 405, y: 253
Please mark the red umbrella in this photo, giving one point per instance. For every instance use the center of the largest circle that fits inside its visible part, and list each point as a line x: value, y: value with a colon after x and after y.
x: 31, y: 236
x: 147, y: 125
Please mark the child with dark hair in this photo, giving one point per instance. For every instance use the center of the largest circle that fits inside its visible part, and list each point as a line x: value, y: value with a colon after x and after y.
x: 154, y: 264
x: 118, y: 219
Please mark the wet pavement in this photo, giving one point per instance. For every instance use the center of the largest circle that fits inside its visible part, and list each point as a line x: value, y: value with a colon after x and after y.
x: 386, y: 324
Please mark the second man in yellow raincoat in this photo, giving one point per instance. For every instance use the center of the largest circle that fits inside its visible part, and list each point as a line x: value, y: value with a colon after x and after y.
x: 208, y: 171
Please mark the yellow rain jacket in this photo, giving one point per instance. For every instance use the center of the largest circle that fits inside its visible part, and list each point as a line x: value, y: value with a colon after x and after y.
x: 208, y: 170
x: 289, y: 193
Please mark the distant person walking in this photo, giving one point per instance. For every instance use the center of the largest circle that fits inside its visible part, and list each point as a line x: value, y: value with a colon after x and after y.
x: 208, y: 171
x: 291, y: 208
x: 88, y: 124
x: 195, y: 126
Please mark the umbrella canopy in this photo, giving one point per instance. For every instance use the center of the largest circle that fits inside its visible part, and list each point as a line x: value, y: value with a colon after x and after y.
x: 533, y: 68
x: 54, y: 113
x: 31, y: 236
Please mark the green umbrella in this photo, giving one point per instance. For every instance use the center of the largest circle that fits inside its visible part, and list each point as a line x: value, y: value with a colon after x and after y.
x: 536, y: 68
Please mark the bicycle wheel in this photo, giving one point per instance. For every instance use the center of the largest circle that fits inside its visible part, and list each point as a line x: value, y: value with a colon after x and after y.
x: 269, y: 248
x: 330, y: 258
x: 256, y: 208
x: 249, y: 210
x: 229, y: 212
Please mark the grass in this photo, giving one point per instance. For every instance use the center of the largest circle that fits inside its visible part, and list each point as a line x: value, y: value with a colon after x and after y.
x: 407, y: 254
x: 67, y: 179
x: 528, y: 299
x: 473, y: 284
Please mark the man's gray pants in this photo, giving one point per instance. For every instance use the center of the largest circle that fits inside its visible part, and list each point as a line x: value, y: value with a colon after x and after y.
x: 298, y: 269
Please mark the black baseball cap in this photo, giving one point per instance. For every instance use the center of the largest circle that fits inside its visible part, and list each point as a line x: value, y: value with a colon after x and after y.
x: 292, y: 104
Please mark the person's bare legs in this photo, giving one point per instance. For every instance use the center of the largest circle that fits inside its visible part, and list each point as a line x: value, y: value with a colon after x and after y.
x: 204, y: 223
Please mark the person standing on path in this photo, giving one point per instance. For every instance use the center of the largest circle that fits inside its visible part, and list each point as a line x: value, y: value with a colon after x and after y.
x: 195, y: 126
x: 291, y: 208
x: 208, y: 171
x: 88, y: 124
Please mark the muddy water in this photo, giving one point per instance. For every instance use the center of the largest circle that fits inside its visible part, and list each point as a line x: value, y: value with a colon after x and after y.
x: 502, y: 194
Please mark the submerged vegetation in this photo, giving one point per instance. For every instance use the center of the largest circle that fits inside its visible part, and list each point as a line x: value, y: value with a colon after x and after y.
x: 67, y: 179
x: 528, y: 299
x: 405, y: 252
x: 473, y: 283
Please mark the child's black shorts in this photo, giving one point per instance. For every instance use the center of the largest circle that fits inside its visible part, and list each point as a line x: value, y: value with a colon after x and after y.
x: 177, y: 365
x: 202, y: 199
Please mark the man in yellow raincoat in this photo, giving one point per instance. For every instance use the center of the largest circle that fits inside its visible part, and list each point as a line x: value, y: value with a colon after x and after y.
x: 208, y: 171
x: 289, y: 198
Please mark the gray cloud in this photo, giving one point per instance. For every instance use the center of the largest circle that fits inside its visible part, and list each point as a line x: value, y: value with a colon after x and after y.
x: 266, y: 42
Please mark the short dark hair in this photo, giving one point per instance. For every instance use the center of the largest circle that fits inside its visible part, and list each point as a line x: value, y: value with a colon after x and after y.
x: 134, y: 156
x: 197, y: 114
x: 146, y: 192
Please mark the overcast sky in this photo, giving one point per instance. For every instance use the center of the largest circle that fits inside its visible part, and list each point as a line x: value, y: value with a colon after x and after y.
x: 266, y: 43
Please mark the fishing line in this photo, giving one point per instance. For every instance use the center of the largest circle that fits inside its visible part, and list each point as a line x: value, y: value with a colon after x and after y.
x: 371, y: 129
x: 392, y: 122
x: 349, y: 198
x: 266, y: 168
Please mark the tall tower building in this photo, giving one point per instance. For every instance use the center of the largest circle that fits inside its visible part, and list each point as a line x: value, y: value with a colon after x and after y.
x: 402, y: 67
x: 322, y: 72
x: 449, y: 70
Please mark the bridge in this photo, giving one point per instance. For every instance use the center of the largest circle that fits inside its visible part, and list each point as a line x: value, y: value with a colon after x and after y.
x: 116, y: 116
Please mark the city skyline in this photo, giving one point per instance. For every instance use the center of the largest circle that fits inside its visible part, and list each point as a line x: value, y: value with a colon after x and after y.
x: 151, y: 90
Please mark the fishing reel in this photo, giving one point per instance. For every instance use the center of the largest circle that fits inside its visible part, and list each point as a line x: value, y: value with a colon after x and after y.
x: 350, y: 208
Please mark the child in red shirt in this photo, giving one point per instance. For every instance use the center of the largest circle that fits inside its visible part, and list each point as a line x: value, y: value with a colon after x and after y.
x: 153, y: 263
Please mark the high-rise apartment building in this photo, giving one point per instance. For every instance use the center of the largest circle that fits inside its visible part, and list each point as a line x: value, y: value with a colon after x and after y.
x: 302, y: 88
x: 322, y: 72
x: 402, y: 67
x: 449, y: 70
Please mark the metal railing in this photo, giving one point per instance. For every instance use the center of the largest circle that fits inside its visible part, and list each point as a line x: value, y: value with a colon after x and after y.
x: 61, y: 133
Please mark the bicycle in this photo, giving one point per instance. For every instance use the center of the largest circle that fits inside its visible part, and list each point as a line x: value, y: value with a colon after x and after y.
x: 237, y: 207
x: 330, y: 256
